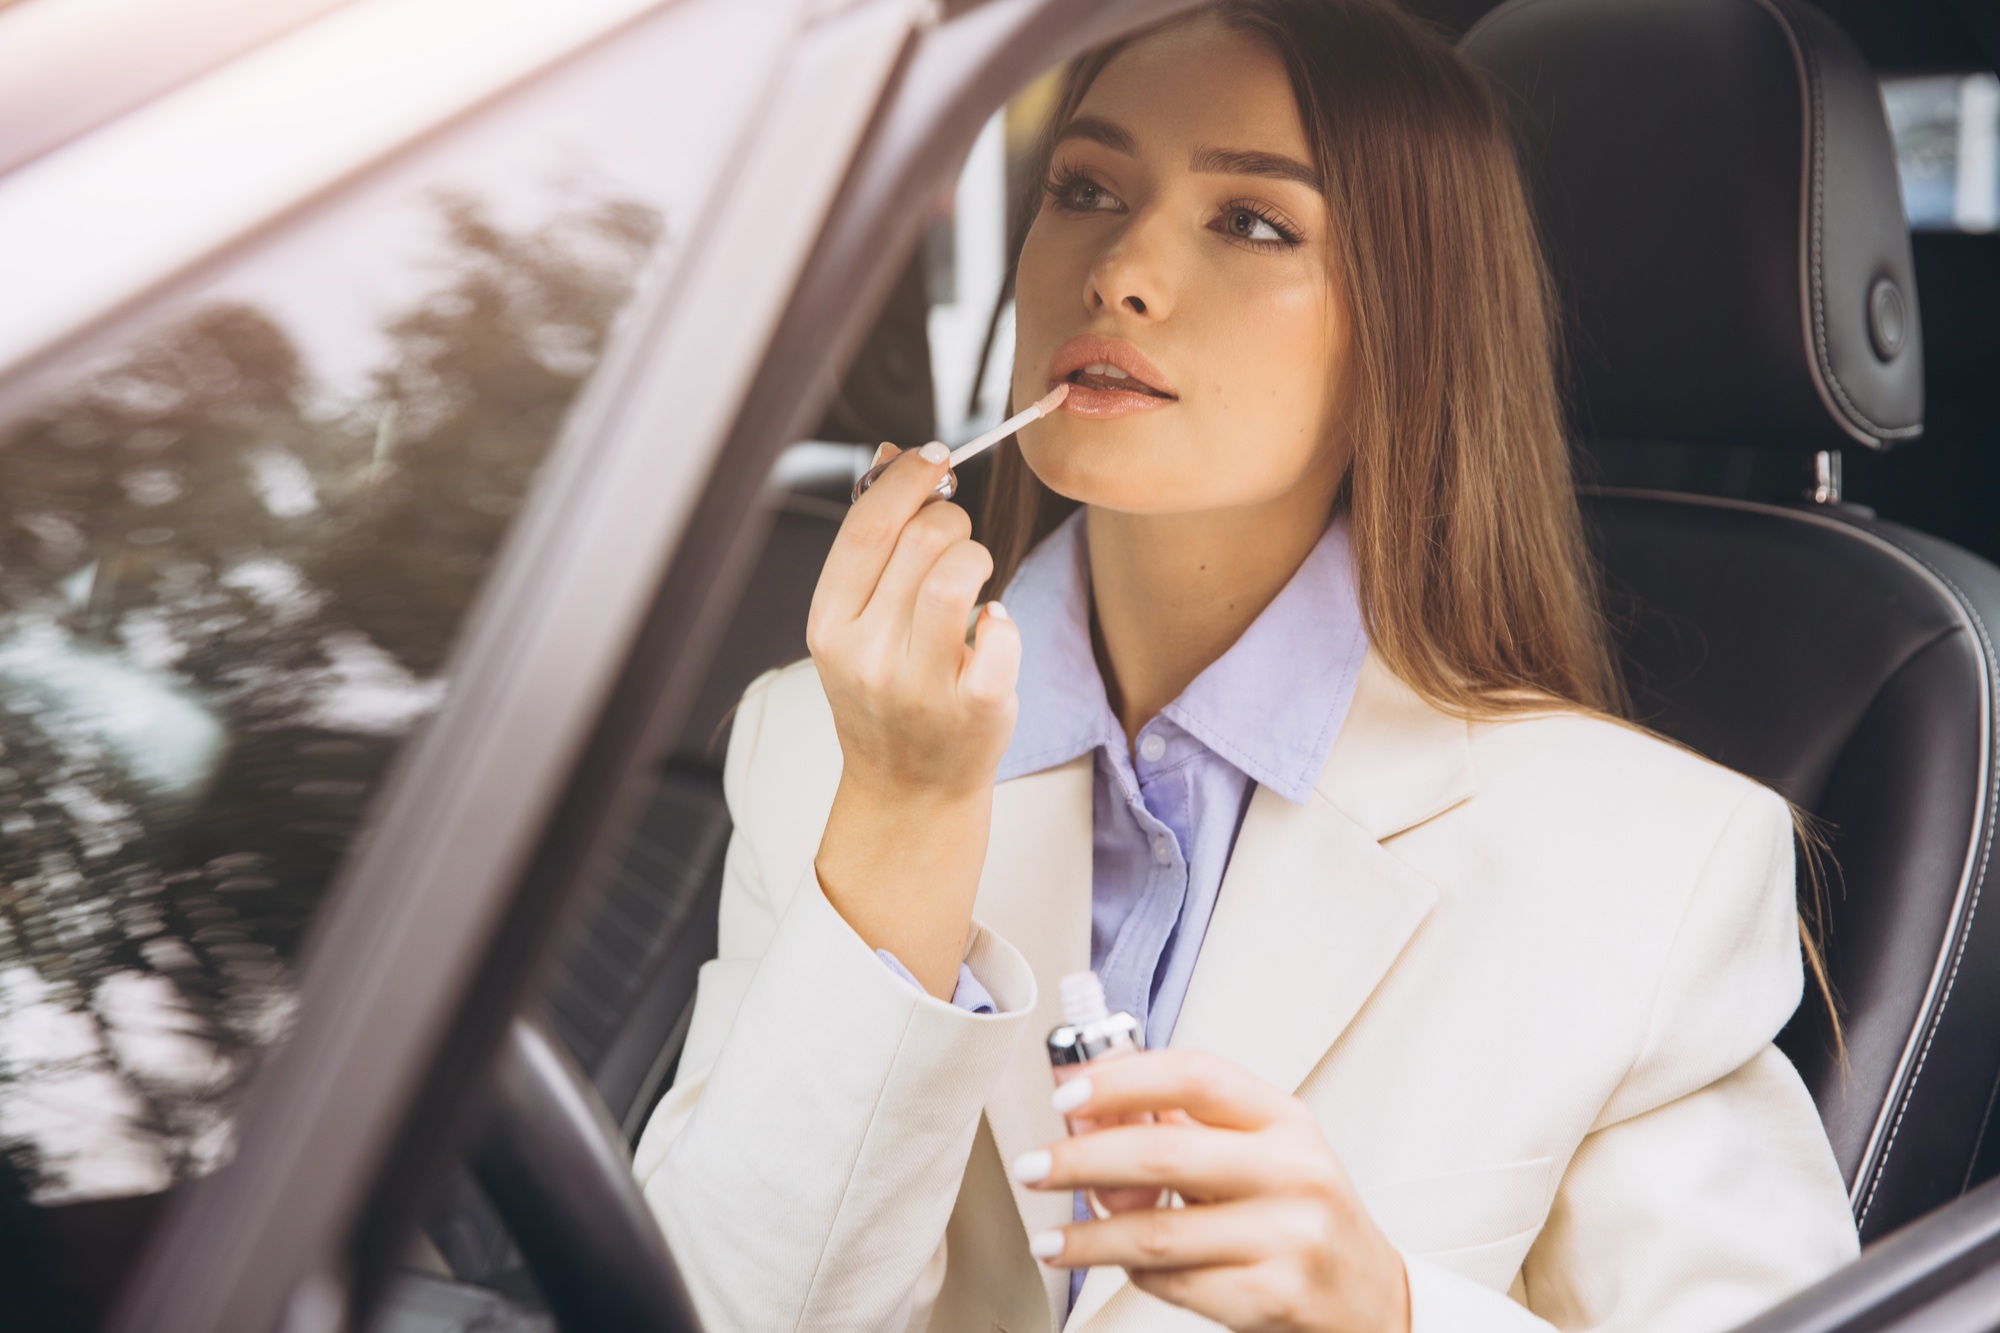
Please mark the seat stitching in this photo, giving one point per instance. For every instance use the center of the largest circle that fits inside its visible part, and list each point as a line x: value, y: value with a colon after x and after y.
x: 1973, y: 882
x: 1936, y: 1020
x: 1815, y: 99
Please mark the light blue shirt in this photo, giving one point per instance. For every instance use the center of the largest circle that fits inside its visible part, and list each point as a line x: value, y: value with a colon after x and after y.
x: 1167, y: 809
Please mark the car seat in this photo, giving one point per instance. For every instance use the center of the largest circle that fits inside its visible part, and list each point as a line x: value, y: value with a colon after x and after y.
x: 1717, y: 191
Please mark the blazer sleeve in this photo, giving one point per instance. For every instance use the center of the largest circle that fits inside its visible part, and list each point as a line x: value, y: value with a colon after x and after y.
x: 1706, y: 1190
x: 805, y: 1163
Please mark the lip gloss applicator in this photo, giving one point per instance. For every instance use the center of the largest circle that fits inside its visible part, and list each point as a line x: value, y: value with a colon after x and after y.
x: 979, y: 444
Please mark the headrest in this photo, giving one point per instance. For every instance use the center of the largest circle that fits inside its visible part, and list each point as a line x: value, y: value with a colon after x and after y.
x: 1716, y: 186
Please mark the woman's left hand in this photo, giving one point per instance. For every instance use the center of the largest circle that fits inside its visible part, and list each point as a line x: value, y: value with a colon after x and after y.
x: 1273, y: 1236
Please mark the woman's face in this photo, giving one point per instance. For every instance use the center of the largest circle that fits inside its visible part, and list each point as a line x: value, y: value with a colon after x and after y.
x: 1182, y: 242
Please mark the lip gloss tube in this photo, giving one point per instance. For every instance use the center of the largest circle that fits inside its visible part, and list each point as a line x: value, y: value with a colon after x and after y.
x: 1090, y: 1033
x: 948, y: 484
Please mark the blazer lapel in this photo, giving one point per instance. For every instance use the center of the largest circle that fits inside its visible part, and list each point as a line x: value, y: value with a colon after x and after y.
x: 1313, y: 910
x: 1398, y: 761
x: 1035, y: 893
x: 1312, y: 913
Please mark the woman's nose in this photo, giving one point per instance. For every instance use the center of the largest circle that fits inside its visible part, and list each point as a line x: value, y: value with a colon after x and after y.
x: 1129, y: 275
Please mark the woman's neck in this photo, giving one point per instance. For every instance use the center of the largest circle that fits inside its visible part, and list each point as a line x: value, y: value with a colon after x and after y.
x: 1171, y: 592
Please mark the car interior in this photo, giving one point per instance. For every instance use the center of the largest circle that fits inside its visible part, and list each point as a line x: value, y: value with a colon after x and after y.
x: 1784, y: 466
x: 1767, y: 616
x: 1843, y: 659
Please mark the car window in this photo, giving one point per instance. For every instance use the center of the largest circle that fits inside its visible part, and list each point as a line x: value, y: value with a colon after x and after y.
x: 1947, y: 129
x: 967, y: 239
x: 936, y: 364
x: 238, y: 536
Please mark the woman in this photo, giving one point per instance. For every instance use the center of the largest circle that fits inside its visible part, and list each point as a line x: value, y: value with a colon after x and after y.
x: 1300, y: 734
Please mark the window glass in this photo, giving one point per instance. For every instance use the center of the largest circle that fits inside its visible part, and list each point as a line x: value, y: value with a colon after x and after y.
x: 937, y: 363
x: 1947, y: 130
x: 968, y: 238
x: 238, y: 536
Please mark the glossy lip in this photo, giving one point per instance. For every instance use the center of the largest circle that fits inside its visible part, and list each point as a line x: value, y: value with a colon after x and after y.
x: 1086, y: 401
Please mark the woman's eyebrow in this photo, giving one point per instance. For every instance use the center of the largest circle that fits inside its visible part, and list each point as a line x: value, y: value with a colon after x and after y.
x: 1100, y: 131
x: 1214, y: 161
x: 1244, y: 162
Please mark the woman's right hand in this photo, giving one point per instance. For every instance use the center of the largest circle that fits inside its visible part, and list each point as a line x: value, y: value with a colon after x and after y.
x: 923, y: 717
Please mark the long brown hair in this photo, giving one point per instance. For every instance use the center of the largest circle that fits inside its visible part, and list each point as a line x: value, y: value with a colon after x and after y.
x: 1469, y: 553
x: 1468, y: 545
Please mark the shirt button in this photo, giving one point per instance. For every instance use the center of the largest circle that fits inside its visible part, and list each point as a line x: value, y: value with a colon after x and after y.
x: 1163, y: 849
x: 1151, y: 747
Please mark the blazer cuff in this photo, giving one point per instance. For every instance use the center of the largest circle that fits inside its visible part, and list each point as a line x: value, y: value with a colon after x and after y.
x: 1441, y: 1301
x: 814, y: 1176
x: 968, y: 994
x: 821, y: 1008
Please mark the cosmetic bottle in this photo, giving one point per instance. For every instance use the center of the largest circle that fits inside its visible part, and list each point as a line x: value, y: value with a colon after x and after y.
x: 1090, y: 1033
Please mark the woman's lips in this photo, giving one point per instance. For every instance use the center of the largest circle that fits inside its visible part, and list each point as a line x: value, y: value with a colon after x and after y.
x: 1086, y: 400
x: 1108, y: 377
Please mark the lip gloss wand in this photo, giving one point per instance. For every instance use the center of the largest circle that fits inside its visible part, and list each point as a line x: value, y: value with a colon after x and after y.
x: 948, y: 485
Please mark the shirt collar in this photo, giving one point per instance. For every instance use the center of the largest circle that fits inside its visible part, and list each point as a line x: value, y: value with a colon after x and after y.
x: 1064, y: 711
x: 1271, y: 705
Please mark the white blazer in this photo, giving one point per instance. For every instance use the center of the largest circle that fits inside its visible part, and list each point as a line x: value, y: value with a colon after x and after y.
x: 1525, y: 973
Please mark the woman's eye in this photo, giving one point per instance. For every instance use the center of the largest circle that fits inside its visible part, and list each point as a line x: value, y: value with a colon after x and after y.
x: 1084, y: 195
x: 1245, y: 225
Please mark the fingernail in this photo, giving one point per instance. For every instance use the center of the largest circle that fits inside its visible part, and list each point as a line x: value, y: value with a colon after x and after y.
x: 1030, y: 1167
x: 1070, y: 1095
x: 881, y: 452
x: 934, y: 452
x: 997, y: 611
x: 1046, y: 1244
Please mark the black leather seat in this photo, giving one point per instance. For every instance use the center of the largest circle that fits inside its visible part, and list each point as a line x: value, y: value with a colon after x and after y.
x: 1718, y: 195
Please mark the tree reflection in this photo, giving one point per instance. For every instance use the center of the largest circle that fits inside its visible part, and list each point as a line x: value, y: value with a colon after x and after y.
x: 223, y: 603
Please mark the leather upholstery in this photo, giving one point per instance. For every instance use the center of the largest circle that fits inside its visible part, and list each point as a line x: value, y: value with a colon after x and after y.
x: 1717, y: 191
x: 1849, y: 664
x: 1719, y: 199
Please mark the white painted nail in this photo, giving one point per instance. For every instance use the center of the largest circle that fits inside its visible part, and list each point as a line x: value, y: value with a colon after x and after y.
x: 997, y: 611
x: 1046, y: 1244
x: 1070, y: 1095
x: 934, y: 452
x: 881, y: 452
x: 1030, y: 1167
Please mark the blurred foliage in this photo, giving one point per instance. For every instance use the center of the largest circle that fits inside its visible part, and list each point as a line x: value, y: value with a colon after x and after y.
x: 193, y: 531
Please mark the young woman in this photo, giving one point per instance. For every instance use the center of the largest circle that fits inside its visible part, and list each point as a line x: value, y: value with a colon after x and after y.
x: 1300, y: 734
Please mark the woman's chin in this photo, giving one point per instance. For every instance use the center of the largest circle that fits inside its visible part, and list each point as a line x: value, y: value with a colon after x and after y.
x: 1130, y: 465
x: 1134, y: 489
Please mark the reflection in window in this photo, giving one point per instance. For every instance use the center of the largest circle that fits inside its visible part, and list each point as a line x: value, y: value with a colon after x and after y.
x: 966, y: 269
x: 228, y: 585
x: 965, y: 247
x: 1947, y: 130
